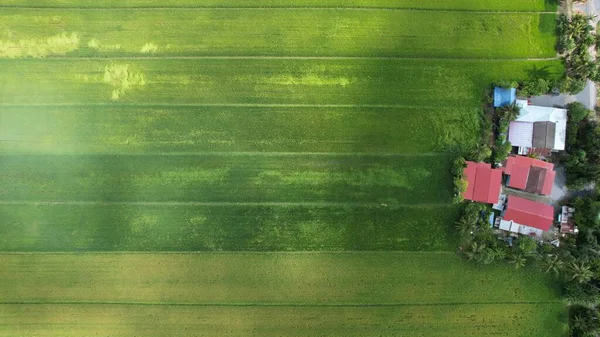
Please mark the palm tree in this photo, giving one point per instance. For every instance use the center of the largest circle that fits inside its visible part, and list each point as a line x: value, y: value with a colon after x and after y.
x: 466, y: 224
x: 510, y: 112
x: 518, y: 259
x: 579, y: 272
x: 474, y: 252
x: 552, y: 263
x: 480, y: 152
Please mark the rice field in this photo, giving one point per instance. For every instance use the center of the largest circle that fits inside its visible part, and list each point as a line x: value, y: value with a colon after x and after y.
x: 262, y: 168
x: 258, y: 294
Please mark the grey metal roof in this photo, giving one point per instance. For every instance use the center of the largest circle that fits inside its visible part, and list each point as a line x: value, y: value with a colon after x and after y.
x: 543, y: 134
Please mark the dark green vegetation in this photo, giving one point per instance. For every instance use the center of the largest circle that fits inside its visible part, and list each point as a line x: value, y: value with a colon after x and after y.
x: 582, y: 155
x: 143, y: 129
x: 255, y: 129
x: 223, y: 226
x: 575, y: 39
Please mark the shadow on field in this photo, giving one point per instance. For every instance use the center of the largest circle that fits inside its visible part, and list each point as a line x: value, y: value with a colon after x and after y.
x: 109, y: 223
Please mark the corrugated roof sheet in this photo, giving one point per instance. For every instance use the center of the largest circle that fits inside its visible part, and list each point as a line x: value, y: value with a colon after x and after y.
x: 520, y: 134
x: 532, y: 114
x: 518, y: 177
x: 529, y: 213
x: 530, y: 174
x: 543, y: 134
x: 483, y: 182
x: 535, y: 179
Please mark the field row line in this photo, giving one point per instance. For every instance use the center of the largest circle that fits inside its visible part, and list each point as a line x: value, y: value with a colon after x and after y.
x: 268, y: 57
x: 225, y: 153
x: 323, y: 204
x: 235, y: 252
x: 221, y: 105
x: 299, y: 305
x: 264, y: 8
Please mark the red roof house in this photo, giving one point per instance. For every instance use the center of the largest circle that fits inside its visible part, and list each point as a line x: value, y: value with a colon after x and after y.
x: 529, y: 213
x: 530, y: 174
x: 483, y: 182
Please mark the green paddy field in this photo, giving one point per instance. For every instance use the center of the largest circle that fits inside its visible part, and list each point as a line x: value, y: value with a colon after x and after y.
x: 255, y: 168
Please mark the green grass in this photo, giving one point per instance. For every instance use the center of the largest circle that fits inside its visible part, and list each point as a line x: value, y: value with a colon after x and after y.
x: 404, y: 82
x: 223, y: 178
x: 405, y: 321
x: 290, y: 33
x: 367, y: 294
x: 156, y: 129
x: 281, y: 152
x: 268, y: 278
x: 513, y: 5
x: 229, y: 227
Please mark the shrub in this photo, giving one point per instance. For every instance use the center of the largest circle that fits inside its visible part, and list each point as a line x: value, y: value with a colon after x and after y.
x: 534, y: 87
x: 577, y: 112
x: 460, y: 184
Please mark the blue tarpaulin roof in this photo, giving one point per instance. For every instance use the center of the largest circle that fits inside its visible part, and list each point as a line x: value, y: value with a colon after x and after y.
x: 504, y: 96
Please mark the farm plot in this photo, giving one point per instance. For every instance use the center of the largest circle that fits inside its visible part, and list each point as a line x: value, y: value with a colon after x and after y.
x: 367, y: 294
x: 367, y: 278
x: 397, y: 180
x: 142, y: 226
x: 428, y: 84
x: 245, y: 128
x: 280, y: 32
x: 195, y: 129
x: 485, y: 5
x: 403, y: 321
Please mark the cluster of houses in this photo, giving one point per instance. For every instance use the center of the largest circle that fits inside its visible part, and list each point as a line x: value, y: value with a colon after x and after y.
x: 537, y: 130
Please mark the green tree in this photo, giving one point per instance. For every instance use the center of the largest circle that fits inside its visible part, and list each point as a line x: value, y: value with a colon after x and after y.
x: 577, y: 271
x: 480, y: 153
x: 510, y: 112
x: 518, y: 259
x: 466, y: 224
x: 526, y: 245
x: 535, y: 87
x: 551, y: 263
x: 577, y: 112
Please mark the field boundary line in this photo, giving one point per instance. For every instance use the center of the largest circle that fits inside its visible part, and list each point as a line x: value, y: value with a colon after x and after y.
x: 324, y: 204
x: 235, y: 252
x: 267, y: 8
x: 232, y: 153
x: 225, y: 105
x: 299, y: 305
x: 268, y: 57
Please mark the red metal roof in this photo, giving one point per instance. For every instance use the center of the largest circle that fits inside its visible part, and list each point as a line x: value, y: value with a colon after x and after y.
x: 518, y: 168
x: 496, y: 183
x: 483, y: 182
x: 518, y: 177
x: 529, y: 213
x: 547, y: 189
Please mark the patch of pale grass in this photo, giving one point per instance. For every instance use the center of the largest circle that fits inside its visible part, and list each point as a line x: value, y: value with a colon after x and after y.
x: 97, y: 45
x: 123, y: 78
x: 59, y: 44
x: 149, y: 48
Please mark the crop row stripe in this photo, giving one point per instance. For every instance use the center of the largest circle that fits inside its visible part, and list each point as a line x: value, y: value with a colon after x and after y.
x: 325, y: 204
x: 245, y: 304
x: 222, y: 105
x: 257, y: 8
x: 267, y: 57
x: 232, y: 153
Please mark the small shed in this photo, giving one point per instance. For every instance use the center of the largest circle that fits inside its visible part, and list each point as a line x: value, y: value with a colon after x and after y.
x: 504, y: 96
